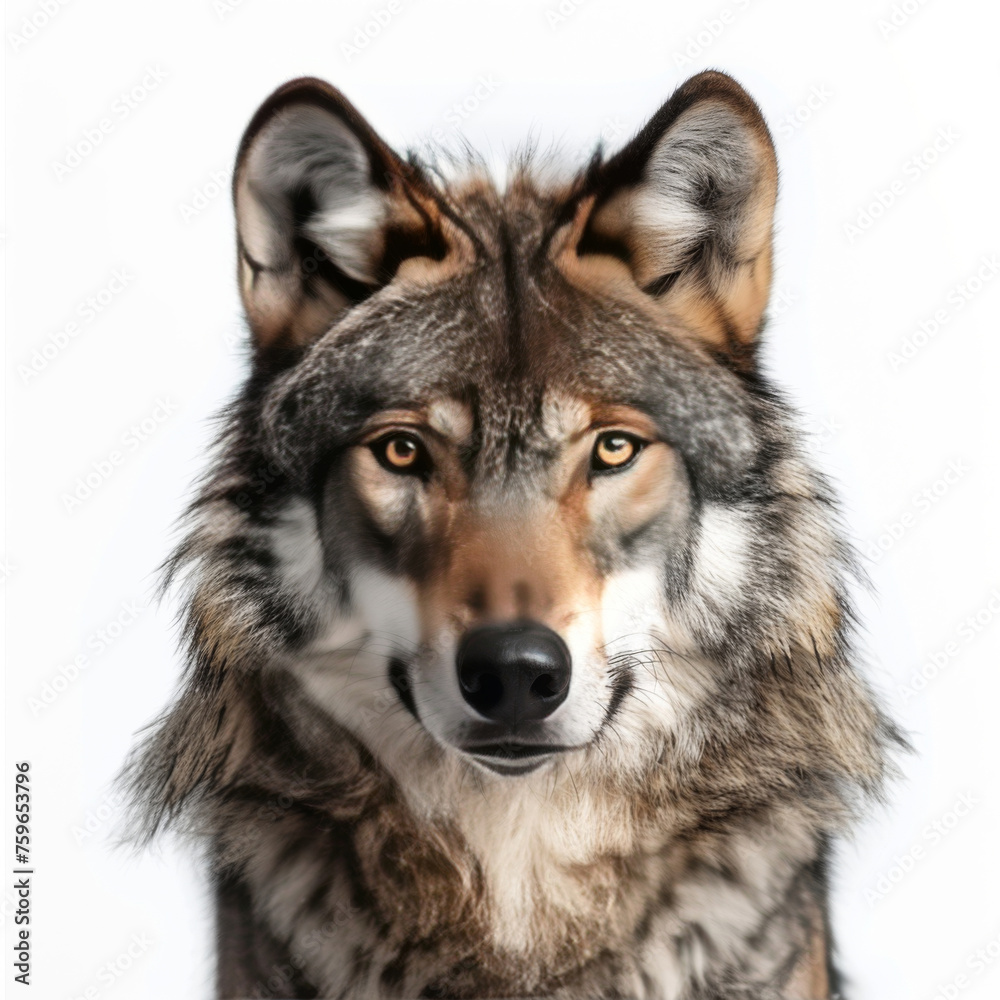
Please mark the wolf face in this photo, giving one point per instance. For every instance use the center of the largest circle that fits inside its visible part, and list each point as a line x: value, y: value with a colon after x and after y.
x: 498, y: 434
x: 507, y: 509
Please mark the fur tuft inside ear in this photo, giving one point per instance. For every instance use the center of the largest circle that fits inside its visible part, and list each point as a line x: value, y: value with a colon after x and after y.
x: 689, y: 205
x: 307, y: 174
x: 324, y: 210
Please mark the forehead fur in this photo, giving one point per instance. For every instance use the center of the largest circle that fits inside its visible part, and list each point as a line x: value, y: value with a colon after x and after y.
x: 503, y: 334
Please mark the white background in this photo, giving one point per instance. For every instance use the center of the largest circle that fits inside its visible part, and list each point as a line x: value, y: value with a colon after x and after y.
x: 913, y: 906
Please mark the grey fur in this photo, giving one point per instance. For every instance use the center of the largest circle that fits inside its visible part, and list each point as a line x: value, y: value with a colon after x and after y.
x: 357, y: 853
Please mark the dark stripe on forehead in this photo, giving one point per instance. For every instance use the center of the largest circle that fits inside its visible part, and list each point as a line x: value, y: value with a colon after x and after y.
x: 501, y: 336
x: 509, y: 391
x: 515, y: 312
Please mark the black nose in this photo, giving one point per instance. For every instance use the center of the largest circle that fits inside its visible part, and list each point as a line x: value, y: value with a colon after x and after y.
x: 513, y: 673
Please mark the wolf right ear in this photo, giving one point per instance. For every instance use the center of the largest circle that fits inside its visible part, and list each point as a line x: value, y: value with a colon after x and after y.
x: 688, y: 205
x: 325, y: 213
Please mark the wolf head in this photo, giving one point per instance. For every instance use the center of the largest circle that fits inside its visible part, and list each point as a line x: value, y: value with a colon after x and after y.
x: 506, y: 495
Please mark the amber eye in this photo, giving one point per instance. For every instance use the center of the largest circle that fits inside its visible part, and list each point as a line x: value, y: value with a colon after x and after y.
x: 614, y: 450
x: 401, y: 453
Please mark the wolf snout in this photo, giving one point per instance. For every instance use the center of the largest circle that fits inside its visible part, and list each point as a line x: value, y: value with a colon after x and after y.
x: 513, y: 673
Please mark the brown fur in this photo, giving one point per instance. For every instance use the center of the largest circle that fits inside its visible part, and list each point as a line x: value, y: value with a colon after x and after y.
x: 674, y: 844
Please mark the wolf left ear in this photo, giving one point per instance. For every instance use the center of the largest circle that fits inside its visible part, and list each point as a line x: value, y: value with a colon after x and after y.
x: 325, y: 213
x: 689, y: 205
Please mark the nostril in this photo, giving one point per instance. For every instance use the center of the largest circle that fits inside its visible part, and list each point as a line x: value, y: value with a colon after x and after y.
x: 545, y: 686
x: 482, y: 690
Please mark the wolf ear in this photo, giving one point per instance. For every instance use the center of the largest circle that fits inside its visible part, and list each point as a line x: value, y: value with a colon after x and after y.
x: 688, y: 204
x: 325, y: 213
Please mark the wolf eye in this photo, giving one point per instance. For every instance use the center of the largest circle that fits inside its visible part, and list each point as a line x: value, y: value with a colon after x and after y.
x: 614, y: 450
x: 401, y: 453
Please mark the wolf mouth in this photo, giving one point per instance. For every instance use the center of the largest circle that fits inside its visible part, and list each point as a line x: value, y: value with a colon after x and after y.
x: 510, y: 770
x: 513, y: 751
x: 513, y: 758
x: 499, y: 748
x: 503, y: 756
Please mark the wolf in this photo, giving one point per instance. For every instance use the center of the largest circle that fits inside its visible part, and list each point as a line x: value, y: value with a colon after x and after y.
x: 520, y: 644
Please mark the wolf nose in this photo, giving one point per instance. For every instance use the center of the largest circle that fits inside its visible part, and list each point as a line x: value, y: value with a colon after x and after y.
x: 513, y: 673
